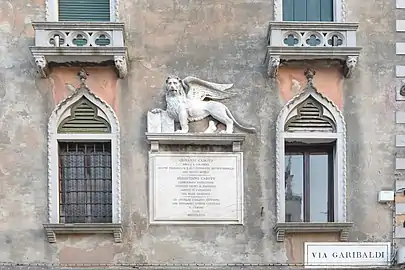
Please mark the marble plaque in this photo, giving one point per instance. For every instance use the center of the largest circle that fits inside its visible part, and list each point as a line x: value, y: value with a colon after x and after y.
x: 191, y: 188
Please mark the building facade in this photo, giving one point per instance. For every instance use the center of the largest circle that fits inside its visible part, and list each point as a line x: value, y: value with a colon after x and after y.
x: 320, y: 82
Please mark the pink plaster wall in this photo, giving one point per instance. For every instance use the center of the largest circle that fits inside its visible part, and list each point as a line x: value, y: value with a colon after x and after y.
x: 328, y: 81
x: 102, y: 81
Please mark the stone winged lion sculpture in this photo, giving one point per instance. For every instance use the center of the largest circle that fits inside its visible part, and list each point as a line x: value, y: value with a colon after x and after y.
x: 186, y: 102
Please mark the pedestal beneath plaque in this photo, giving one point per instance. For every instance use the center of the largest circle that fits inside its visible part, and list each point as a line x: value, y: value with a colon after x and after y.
x: 196, y: 188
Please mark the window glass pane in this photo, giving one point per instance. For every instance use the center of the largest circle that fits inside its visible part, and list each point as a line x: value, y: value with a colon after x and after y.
x: 294, y: 189
x: 318, y: 186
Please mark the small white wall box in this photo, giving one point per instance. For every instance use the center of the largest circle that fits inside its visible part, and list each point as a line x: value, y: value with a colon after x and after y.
x: 401, y: 256
x: 385, y: 196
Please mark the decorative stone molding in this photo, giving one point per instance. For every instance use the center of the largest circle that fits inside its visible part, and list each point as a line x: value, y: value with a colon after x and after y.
x: 52, y: 14
x: 41, y: 64
x: 339, y: 10
x: 61, y: 112
x: 52, y: 230
x: 339, y: 137
x: 297, y: 41
x: 282, y: 229
x: 351, y: 63
x: 272, y: 65
x: 80, y: 43
x: 121, y: 65
x: 156, y: 139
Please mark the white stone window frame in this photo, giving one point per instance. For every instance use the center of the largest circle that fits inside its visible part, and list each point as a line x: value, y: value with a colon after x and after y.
x: 61, y: 112
x: 338, y: 137
x: 52, y: 10
x: 339, y: 12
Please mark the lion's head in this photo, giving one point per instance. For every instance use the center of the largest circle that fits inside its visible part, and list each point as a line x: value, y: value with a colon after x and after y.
x: 351, y: 62
x: 174, y: 86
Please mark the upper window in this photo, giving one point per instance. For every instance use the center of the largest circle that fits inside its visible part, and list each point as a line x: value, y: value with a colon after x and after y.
x: 81, y: 10
x: 307, y: 10
x: 84, y: 169
x: 84, y: 10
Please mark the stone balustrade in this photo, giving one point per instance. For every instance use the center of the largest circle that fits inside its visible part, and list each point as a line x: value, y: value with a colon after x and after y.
x: 312, y: 34
x: 79, y: 42
x: 288, y: 41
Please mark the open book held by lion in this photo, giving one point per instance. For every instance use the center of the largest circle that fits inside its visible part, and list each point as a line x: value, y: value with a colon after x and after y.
x: 186, y: 102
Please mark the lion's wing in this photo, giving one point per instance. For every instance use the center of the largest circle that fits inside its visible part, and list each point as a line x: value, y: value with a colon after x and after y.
x: 200, y: 89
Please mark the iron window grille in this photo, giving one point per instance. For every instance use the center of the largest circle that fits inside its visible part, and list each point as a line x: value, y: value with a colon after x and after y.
x: 85, y: 182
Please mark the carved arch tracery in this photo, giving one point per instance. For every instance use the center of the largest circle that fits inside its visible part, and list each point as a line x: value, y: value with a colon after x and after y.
x: 310, y: 115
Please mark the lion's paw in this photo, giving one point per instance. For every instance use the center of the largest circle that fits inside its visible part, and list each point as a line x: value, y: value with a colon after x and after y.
x: 157, y: 110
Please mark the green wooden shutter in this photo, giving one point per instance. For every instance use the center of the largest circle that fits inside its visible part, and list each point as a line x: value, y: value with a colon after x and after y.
x: 84, y: 119
x: 326, y: 10
x: 313, y: 11
x: 84, y: 10
x: 308, y: 10
x: 288, y: 10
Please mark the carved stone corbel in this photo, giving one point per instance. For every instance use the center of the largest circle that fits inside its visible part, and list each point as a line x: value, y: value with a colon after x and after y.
x: 50, y: 235
x: 237, y: 147
x: 344, y: 235
x: 350, y: 65
x: 121, y: 65
x: 117, y: 235
x: 42, y: 65
x: 273, y: 62
x: 154, y: 146
x: 280, y: 234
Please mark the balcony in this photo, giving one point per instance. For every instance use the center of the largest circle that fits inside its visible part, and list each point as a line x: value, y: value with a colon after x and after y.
x: 296, y: 41
x: 78, y: 43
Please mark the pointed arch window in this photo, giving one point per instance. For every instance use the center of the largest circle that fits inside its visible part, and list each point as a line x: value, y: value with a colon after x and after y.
x: 311, y: 170
x: 85, y: 175
x: 84, y: 168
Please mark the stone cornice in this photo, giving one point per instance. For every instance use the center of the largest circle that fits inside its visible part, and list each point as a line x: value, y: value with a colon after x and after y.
x: 78, y: 25
x: 331, y: 26
x: 235, y: 139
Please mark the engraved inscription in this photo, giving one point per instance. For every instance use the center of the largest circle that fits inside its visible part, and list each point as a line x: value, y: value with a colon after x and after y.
x: 197, y: 187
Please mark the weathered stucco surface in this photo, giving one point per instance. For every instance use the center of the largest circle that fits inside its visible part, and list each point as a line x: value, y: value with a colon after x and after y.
x: 222, y: 41
x: 328, y: 82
